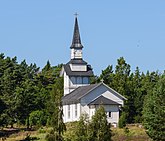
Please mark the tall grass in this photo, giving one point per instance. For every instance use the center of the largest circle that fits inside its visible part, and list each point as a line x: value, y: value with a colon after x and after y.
x: 131, y: 133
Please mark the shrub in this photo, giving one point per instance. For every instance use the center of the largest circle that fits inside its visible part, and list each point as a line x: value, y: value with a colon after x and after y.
x: 122, y: 120
x: 37, y: 118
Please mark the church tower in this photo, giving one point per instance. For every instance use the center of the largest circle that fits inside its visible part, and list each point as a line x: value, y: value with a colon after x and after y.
x: 76, y: 72
x: 76, y: 47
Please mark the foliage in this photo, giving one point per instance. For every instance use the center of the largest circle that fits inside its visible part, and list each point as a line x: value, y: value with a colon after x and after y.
x: 135, y: 134
x: 56, y: 112
x: 134, y: 86
x: 99, y: 128
x: 81, y: 130
x: 2, y: 108
x: 37, y: 118
x: 96, y: 129
x: 24, y: 89
x: 122, y: 120
x: 154, y: 111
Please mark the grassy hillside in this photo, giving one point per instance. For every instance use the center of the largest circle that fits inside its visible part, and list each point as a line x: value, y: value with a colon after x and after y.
x: 131, y: 133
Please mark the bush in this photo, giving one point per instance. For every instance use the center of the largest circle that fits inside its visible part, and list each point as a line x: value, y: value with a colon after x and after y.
x: 50, y: 137
x: 53, y: 136
x: 41, y: 130
x: 37, y: 118
x: 122, y: 120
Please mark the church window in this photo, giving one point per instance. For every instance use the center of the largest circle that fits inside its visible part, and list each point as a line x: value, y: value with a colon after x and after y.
x: 85, y: 80
x: 75, y: 110
x: 92, y: 106
x: 79, y: 80
x: 109, y: 114
x: 68, y: 111
x: 73, y: 80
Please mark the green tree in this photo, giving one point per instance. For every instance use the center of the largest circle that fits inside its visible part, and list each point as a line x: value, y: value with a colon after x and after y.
x: 138, y: 96
x: 107, y: 76
x: 56, y: 112
x: 9, y: 81
x: 81, y: 130
x: 37, y: 118
x: 122, y: 120
x: 2, y: 108
x: 99, y: 128
x: 26, y: 101
x: 122, y: 83
x: 154, y: 111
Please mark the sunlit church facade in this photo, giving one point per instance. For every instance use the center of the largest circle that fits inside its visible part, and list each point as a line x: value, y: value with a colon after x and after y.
x: 79, y: 95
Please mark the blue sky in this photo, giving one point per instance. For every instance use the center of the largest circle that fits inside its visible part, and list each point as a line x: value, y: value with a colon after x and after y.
x: 41, y: 30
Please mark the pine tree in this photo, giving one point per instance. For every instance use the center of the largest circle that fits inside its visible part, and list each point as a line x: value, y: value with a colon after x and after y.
x: 107, y: 75
x: 154, y: 111
x: 56, y: 112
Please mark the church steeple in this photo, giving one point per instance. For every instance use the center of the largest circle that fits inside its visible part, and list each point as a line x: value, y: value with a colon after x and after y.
x: 76, y: 47
x: 76, y: 42
x: 76, y: 72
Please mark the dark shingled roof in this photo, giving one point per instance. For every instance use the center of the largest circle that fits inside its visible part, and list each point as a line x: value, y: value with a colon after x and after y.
x: 77, y: 61
x: 103, y: 100
x: 76, y: 42
x: 69, y: 72
x: 77, y: 94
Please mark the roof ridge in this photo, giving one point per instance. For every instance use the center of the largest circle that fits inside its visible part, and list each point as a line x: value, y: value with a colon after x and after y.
x: 114, y: 91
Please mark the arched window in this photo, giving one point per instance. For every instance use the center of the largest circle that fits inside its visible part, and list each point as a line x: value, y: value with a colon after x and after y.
x: 73, y: 80
x: 85, y: 80
x: 68, y: 111
x: 75, y: 110
x: 79, y: 80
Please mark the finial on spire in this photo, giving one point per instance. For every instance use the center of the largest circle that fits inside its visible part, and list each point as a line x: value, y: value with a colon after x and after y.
x: 76, y: 14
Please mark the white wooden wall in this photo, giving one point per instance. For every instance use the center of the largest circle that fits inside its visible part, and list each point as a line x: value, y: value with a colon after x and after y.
x: 66, y: 83
x: 73, y: 82
x: 73, y: 116
x: 84, y: 108
x: 77, y: 67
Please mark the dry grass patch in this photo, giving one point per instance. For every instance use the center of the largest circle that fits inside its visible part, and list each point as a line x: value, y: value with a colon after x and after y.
x: 130, y: 133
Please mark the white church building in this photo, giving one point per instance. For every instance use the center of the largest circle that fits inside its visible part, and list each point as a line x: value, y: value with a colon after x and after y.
x: 79, y: 95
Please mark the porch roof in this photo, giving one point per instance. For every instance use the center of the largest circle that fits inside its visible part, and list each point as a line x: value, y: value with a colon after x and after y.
x: 101, y: 100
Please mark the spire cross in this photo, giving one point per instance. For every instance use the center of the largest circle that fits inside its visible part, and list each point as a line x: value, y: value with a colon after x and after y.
x: 76, y: 14
x: 102, y: 80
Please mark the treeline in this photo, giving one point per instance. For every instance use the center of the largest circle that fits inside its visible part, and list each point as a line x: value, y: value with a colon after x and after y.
x: 25, y: 88
x: 145, y: 93
x: 25, y: 92
x: 32, y: 96
x: 133, y: 85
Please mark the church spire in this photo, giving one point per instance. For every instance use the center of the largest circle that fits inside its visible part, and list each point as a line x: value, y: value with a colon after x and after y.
x: 76, y: 42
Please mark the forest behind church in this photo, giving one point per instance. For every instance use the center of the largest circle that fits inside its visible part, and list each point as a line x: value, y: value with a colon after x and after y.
x: 26, y: 91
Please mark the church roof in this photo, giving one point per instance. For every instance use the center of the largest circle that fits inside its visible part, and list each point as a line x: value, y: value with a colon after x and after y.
x: 76, y: 42
x: 77, y: 61
x: 103, y: 100
x: 78, y: 93
x: 69, y: 72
